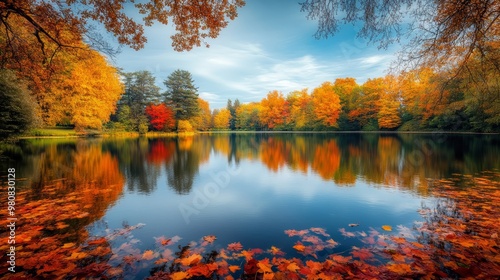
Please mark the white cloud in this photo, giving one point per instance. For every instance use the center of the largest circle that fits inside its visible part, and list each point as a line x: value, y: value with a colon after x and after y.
x: 257, y: 53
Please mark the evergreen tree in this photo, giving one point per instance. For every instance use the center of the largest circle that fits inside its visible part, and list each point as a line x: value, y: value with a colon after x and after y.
x: 140, y: 90
x: 17, y: 109
x: 181, y: 94
x: 232, y: 110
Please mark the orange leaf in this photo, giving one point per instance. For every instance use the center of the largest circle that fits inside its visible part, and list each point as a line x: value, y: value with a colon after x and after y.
x: 293, y: 267
x: 235, y: 246
x: 179, y: 275
x: 191, y: 260
x: 264, y: 266
x: 234, y: 268
x: 399, y: 240
x: 387, y: 228
x: 68, y: 245
x: 400, y: 268
x: 161, y: 261
x: 148, y: 255
x: 275, y: 250
x: 209, y: 238
x: 299, y: 247
x: 199, y: 270
x: 247, y: 255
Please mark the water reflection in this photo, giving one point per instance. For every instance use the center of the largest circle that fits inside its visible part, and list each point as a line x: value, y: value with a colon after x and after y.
x: 287, y: 177
x: 402, y: 160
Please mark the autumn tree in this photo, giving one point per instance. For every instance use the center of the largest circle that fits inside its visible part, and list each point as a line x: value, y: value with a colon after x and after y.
x: 421, y: 95
x: 368, y: 104
x: 181, y: 94
x: 446, y: 32
x: 202, y: 120
x: 247, y: 116
x: 301, y: 109
x: 348, y: 91
x: 194, y: 21
x: 93, y: 92
x: 221, y: 119
x: 326, y: 104
x: 160, y: 117
x: 389, y: 113
x: 275, y: 110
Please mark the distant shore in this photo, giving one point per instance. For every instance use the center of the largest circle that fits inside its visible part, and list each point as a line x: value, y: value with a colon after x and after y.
x: 47, y: 133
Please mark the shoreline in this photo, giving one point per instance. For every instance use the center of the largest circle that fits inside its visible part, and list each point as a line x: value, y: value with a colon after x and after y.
x: 183, y: 134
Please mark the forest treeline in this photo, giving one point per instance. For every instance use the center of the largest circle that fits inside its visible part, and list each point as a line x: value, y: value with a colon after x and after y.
x: 53, y: 71
x: 415, y: 100
x: 79, y: 87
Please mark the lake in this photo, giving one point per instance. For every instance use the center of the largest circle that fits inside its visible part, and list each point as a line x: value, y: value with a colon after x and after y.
x: 127, y: 207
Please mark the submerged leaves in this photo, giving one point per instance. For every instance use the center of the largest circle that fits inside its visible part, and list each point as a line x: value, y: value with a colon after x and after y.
x: 458, y: 239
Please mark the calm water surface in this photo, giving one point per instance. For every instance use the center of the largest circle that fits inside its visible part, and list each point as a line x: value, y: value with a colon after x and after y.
x: 250, y: 187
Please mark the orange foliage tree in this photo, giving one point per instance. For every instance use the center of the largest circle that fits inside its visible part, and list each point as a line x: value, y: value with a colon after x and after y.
x: 326, y: 104
x: 194, y: 21
x: 275, y: 110
x: 389, y: 115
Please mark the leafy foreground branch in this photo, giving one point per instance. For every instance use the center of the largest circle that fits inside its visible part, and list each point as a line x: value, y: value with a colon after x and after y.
x: 458, y: 238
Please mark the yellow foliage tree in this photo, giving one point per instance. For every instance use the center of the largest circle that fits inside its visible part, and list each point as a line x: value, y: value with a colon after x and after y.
x: 202, y: 120
x: 300, y: 104
x: 94, y: 87
x: 221, y: 119
x: 388, y: 115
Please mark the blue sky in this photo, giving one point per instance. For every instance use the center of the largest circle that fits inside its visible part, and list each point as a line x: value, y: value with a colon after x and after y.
x: 269, y: 46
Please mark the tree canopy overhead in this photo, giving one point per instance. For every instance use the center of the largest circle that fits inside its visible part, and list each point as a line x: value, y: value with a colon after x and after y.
x: 53, y: 20
x: 441, y: 32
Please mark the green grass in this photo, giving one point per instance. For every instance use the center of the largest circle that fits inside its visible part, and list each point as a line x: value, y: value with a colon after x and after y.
x: 51, y: 132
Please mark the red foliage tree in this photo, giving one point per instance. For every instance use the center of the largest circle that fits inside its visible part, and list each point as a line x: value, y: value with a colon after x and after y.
x: 161, y: 117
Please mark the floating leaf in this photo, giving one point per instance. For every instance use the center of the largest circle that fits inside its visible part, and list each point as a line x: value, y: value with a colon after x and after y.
x: 293, y: 232
x: 179, y: 275
x: 319, y: 231
x: 191, y: 260
x: 148, y: 255
x: 248, y: 255
x: 299, y: 247
x: 264, y: 266
x: 234, y: 268
x: 235, y: 246
x: 400, y: 268
x: 209, y: 238
x: 331, y: 243
x: 387, y: 228
x: 275, y: 251
x: 68, y: 245
x: 293, y: 267
x: 346, y: 233
x: 163, y: 240
x: 199, y: 270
